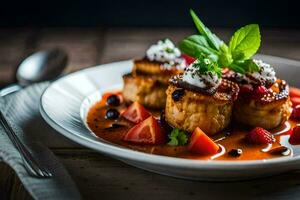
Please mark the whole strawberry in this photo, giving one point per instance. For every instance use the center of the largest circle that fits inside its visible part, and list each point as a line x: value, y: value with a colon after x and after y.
x: 295, y: 136
x: 296, y: 113
x: 259, y: 135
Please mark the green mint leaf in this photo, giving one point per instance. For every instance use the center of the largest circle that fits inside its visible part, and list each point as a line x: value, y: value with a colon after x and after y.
x: 196, y: 45
x: 225, y: 58
x: 245, y: 42
x: 177, y: 137
x: 168, y: 50
x: 212, y: 39
x: 249, y: 65
x: 204, y: 65
x: 235, y: 67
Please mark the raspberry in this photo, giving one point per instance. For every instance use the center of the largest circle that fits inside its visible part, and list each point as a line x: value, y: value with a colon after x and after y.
x: 259, y: 135
x: 296, y: 113
x: 261, y: 90
x: 246, y: 88
x: 295, y: 136
x: 188, y: 59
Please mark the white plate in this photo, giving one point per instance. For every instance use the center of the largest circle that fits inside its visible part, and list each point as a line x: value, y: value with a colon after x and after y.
x: 65, y: 103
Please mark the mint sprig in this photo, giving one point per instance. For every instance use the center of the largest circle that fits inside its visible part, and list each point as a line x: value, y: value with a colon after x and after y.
x: 237, y: 55
x: 177, y: 137
x: 197, y: 45
x: 204, y: 65
x: 245, y: 42
x: 212, y: 39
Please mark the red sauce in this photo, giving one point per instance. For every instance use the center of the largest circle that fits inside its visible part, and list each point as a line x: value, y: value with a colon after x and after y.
x: 232, y: 139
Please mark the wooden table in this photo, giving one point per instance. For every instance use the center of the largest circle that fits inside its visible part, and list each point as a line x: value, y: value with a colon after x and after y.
x: 100, y: 177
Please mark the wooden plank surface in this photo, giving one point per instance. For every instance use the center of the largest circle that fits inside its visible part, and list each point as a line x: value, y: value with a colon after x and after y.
x: 98, y: 176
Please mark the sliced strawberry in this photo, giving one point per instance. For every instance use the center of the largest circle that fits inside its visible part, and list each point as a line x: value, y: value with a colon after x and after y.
x: 296, y: 113
x: 294, y: 92
x: 200, y: 143
x: 136, y: 113
x: 259, y: 135
x: 188, y: 59
x: 146, y: 132
x: 295, y: 136
x: 295, y: 101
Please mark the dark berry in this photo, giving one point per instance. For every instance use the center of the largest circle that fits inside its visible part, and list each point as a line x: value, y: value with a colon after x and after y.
x: 235, y: 152
x: 177, y: 94
x: 164, y: 124
x: 113, y: 100
x: 112, y: 114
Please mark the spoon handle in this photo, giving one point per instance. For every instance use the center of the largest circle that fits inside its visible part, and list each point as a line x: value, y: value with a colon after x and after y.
x: 10, y: 89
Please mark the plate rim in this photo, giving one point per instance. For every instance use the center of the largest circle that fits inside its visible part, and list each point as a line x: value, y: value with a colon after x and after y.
x: 133, y: 155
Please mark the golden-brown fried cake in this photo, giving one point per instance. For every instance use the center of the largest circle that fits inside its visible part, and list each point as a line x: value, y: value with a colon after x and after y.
x: 263, y: 100
x: 148, y: 80
x: 188, y: 107
x: 147, y: 90
x: 268, y: 109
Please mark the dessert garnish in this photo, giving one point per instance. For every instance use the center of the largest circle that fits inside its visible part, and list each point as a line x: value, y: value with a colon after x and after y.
x: 237, y: 55
x: 177, y: 137
x: 235, y: 152
x: 295, y: 99
x: 294, y: 92
x: 146, y: 132
x: 177, y: 94
x: 113, y: 100
x: 200, y: 143
x: 295, y: 136
x: 136, y: 113
x: 166, y: 52
x: 296, y: 113
x: 259, y: 136
x: 203, y: 73
x: 112, y: 113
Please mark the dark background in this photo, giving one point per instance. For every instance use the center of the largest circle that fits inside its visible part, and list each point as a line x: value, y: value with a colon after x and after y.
x: 230, y: 13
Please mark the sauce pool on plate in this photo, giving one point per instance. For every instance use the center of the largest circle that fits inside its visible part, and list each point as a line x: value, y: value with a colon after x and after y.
x: 231, y: 142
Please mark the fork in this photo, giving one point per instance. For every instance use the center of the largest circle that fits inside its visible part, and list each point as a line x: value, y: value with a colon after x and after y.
x: 32, y: 166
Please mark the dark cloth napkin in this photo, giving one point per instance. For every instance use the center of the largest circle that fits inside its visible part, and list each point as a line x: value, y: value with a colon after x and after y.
x: 22, y: 111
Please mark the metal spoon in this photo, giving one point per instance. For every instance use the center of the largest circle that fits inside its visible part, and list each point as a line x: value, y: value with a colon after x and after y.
x: 38, y: 67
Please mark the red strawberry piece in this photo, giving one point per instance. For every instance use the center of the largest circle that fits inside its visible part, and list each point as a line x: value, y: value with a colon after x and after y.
x: 296, y: 113
x: 225, y: 71
x: 295, y: 101
x: 295, y: 136
x: 259, y: 135
x: 261, y: 90
x: 246, y: 88
x: 294, y: 92
x: 188, y: 59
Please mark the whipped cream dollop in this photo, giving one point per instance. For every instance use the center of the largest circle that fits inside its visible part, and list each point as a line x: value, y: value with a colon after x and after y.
x: 204, y: 80
x: 266, y: 73
x: 264, y: 76
x: 166, y: 52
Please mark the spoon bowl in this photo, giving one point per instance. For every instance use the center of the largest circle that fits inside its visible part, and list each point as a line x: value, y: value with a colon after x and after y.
x: 38, y: 67
x: 41, y: 66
